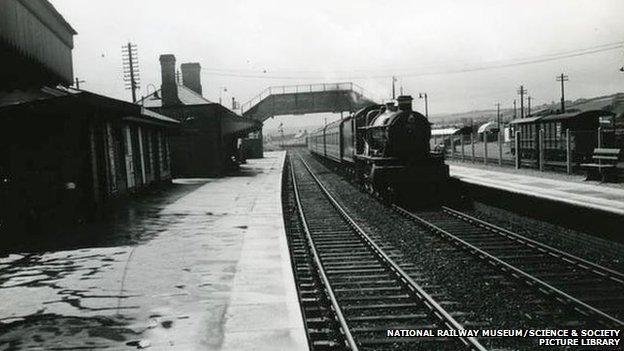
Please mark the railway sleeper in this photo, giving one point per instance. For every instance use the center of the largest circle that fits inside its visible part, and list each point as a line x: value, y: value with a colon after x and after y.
x: 353, y: 271
x: 348, y: 265
x: 360, y: 278
x: 380, y: 298
x: 388, y: 317
x: 346, y: 261
x: 327, y: 345
x: 351, y: 254
x: 363, y: 284
x: 364, y: 290
x: 375, y: 340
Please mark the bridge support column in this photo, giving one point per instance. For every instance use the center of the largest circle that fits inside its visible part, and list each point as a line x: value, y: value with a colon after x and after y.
x: 260, y: 144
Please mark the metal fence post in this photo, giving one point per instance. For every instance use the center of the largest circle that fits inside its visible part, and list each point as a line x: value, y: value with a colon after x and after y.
x: 461, y: 142
x: 599, y: 137
x: 568, y: 152
x: 485, y: 135
x: 500, y: 149
x: 540, y: 142
x: 452, y: 146
x: 472, y: 145
x: 517, y: 144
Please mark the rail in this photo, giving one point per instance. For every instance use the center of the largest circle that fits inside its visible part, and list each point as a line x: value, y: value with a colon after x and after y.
x: 319, y: 266
x: 301, y: 88
x: 514, y: 271
x: 575, y: 260
x: 433, y: 306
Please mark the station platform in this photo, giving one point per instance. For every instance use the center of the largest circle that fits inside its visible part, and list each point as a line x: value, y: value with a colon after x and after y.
x: 205, y: 266
x: 578, y: 193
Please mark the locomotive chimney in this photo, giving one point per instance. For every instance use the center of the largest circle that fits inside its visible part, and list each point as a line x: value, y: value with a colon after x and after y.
x: 405, y: 103
x: 169, y: 87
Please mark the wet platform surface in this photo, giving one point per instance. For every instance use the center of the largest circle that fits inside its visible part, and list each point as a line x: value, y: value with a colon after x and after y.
x: 202, y: 266
x: 597, y: 197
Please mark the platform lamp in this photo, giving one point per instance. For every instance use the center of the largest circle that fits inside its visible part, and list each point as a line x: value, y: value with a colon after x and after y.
x: 221, y: 90
x: 424, y: 96
x: 147, y: 92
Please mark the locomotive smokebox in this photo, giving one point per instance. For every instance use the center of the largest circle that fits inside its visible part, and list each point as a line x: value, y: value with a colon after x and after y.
x: 405, y: 103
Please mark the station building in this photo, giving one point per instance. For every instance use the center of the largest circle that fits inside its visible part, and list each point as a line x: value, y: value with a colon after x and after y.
x: 208, y: 142
x: 65, y: 153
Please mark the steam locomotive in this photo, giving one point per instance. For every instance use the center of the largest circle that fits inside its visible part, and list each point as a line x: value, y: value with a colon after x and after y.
x: 386, y: 149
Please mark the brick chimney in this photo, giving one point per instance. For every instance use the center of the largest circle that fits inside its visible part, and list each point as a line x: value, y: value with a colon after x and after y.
x: 169, y: 87
x: 191, y: 76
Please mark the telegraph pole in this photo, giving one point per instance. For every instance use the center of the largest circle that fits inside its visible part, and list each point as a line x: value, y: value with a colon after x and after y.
x: 562, y: 78
x: 522, y: 91
x: 498, y: 116
x: 529, y: 105
x: 78, y: 81
x: 515, y: 110
x: 131, y: 68
x: 394, y: 79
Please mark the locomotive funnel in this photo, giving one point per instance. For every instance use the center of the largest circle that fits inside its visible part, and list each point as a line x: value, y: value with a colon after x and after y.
x: 405, y: 102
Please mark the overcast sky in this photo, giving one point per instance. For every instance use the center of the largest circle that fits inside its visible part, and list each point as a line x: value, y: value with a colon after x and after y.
x: 247, y: 46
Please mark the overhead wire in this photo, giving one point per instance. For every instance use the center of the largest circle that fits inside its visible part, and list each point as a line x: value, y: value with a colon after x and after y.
x: 417, y: 72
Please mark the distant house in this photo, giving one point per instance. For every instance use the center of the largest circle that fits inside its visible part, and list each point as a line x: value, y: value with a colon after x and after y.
x: 207, y: 144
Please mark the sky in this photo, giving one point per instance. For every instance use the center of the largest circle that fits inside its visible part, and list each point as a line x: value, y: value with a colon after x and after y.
x: 466, y: 55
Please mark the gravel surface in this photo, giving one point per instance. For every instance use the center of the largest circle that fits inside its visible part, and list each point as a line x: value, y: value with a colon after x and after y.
x: 474, y: 287
x: 605, y: 252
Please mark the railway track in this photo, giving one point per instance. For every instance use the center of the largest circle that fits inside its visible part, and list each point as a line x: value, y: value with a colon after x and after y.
x: 322, y: 326
x: 586, y: 287
x: 366, y: 292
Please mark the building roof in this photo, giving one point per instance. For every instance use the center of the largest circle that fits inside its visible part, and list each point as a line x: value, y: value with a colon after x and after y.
x: 45, y: 96
x: 525, y: 120
x: 158, y: 116
x: 18, y: 96
x: 185, y: 95
x: 58, y: 16
x: 489, y: 126
x: 563, y: 116
x: 576, y: 114
x: 444, y: 131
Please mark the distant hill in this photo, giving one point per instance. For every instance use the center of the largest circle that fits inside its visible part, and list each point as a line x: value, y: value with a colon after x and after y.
x: 613, y: 103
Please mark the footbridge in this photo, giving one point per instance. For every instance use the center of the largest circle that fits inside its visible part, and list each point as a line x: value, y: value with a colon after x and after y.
x: 303, y: 99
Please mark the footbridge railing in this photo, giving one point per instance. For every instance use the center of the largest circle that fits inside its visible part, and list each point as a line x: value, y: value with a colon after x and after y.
x: 298, y: 94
